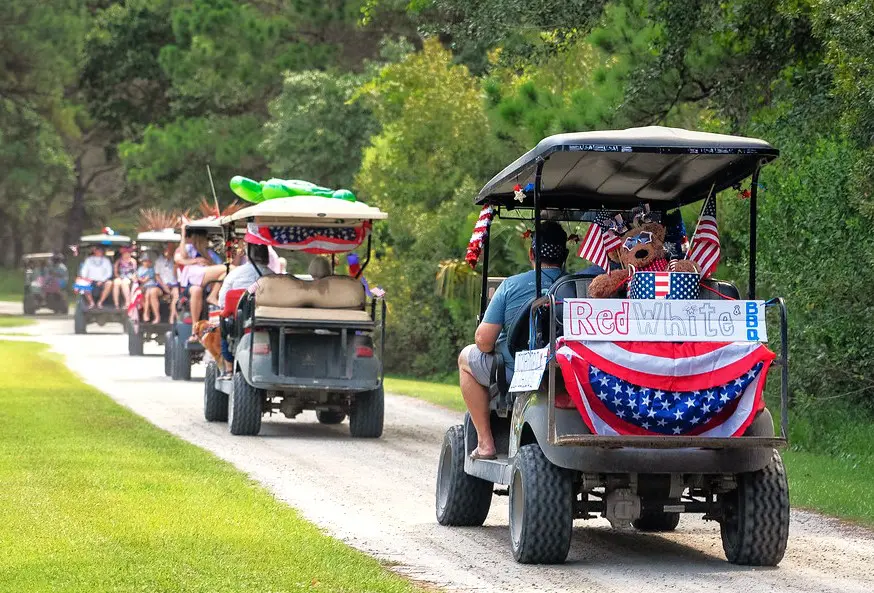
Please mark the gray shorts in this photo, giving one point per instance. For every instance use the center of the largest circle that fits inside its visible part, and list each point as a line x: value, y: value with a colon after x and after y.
x: 479, y: 362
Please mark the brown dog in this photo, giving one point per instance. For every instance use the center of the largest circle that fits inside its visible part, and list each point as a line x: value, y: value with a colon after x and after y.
x: 210, y: 336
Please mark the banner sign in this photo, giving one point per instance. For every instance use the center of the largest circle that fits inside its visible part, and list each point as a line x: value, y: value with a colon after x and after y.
x: 650, y: 320
x: 528, y: 371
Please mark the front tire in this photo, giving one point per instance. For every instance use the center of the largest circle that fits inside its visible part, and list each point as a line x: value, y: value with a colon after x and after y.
x: 330, y: 416
x: 462, y: 499
x: 244, y: 408
x: 79, y: 320
x: 367, y: 416
x: 181, y: 361
x: 755, y: 523
x: 541, y: 508
x: 215, y: 402
x: 29, y: 305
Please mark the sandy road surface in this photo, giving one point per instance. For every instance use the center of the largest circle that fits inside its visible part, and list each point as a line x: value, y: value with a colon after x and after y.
x: 379, y: 496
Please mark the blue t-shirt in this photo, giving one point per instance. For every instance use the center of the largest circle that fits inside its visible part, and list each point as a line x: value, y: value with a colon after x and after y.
x: 511, y: 295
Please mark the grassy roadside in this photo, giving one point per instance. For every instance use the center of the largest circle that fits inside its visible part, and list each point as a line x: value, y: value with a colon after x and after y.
x: 834, y: 476
x: 14, y: 321
x: 95, y: 498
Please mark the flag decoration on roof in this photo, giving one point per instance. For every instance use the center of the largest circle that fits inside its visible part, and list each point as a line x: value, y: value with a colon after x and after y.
x: 599, y: 241
x: 319, y: 240
x: 711, y: 389
x: 705, y: 249
x: 480, y: 230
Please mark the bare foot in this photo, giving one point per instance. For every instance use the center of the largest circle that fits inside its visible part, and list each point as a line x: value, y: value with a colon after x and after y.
x: 483, y: 453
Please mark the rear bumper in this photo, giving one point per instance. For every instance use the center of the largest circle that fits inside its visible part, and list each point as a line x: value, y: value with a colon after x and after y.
x: 281, y: 383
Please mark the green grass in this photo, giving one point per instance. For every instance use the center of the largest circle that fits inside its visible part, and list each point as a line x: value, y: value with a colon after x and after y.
x: 94, y: 498
x: 830, y: 465
x: 11, y: 284
x: 14, y: 321
x: 447, y: 395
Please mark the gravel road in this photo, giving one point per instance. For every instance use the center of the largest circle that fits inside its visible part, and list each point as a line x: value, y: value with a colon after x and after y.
x: 378, y: 496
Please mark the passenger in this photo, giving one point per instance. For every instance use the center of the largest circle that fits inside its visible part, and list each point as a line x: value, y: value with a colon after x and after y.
x: 150, y: 289
x: 319, y: 267
x: 97, y: 269
x: 57, y: 271
x: 202, y: 265
x: 125, y: 273
x: 475, y: 361
x: 165, y: 276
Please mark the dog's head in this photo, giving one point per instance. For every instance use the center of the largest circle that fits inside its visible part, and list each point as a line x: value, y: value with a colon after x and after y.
x: 200, y: 328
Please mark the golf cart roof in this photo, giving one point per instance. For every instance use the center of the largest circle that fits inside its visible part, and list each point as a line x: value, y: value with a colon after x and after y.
x: 618, y: 169
x: 31, y: 257
x: 307, y: 209
x: 210, y: 224
x: 103, y: 239
x: 165, y: 236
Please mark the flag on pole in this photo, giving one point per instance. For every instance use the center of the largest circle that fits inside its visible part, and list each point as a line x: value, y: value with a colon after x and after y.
x: 705, y: 250
x: 598, y: 242
x: 136, y: 299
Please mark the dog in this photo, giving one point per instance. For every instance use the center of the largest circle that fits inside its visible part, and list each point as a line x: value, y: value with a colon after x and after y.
x: 210, y: 336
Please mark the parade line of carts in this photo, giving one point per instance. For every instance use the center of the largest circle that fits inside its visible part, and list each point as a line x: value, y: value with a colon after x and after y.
x: 315, y: 344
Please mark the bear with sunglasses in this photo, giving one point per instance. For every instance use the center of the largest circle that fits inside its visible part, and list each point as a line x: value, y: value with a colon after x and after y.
x: 641, y: 249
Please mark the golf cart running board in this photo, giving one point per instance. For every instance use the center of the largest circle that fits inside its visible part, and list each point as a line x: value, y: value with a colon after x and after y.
x: 497, y: 471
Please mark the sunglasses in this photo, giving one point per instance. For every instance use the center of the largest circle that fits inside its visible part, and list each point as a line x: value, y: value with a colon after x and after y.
x: 643, y: 238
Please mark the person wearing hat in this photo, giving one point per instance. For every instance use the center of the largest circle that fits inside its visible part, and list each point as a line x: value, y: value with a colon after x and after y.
x: 475, y: 360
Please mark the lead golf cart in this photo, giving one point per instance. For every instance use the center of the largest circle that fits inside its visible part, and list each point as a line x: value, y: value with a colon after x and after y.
x: 563, y: 452
x: 45, y: 286
x: 303, y: 344
x: 180, y: 353
x: 108, y: 313
x: 151, y: 244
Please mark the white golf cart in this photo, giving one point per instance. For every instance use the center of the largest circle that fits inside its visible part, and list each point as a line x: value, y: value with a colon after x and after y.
x: 152, y: 245
x: 108, y: 313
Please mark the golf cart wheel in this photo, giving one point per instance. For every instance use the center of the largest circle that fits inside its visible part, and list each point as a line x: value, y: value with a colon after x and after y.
x: 29, y: 305
x: 462, y: 500
x: 181, y: 361
x: 244, y: 407
x: 367, y: 414
x: 79, y: 320
x: 330, y: 416
x: 755, y: 523
x: 656, y: 521
x: 541, y: 508
x: 215, y: 402
x: 168, y: 353
x: 134, y: 340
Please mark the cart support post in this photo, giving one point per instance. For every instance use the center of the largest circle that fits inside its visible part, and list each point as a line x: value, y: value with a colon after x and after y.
x: 484, y: 292
x: 754, y: 194
x: 537, y: 182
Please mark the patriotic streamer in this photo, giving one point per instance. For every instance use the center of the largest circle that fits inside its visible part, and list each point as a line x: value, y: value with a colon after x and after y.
x: 318, y: 240
x: 480, y: 230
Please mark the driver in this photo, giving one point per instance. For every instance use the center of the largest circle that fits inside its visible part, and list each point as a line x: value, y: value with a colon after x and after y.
x: 475, y: 360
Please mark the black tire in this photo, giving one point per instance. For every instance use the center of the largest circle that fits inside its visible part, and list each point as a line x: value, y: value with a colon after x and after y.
x: 245, y: 406
x: 330, y: 416
x: 134, y: 340
x: 657, y: 521
x: 168, y: 353
x: 181, y: 361
x: 79, y: 320
x: 541, y: 508
x: 367, y: 415
x: 28, y: 305
x: 462, y: 500
x: 755, y: 523
x: 215, y: 402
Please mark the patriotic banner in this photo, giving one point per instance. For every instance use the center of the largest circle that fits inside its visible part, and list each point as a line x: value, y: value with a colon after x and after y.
x: 653, y: 389
x: 480, y: 230
x: 318, y: 240
x: 705, y: 249
x: 136, y: 300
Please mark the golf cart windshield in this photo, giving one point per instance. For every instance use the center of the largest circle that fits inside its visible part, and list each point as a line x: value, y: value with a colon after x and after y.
x: 159, y: 237
x: 104, y: 241
x: 35, y: 259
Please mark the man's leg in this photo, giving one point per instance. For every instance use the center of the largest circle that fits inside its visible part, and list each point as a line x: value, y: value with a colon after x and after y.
x: 476, y: 397
x: 174, y: 298
x: 195, y: 301
x: 89, y: 295
x: 107, y: 286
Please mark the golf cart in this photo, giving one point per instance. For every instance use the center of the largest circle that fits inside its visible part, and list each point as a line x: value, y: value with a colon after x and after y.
x: 180, y: 353
x: 108, y: 313
x: 564, y: 450
x: 303, y: 344
x: 150, y: 244
x: 44, y: 284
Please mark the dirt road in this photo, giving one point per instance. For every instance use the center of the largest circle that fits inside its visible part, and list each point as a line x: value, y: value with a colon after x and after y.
x: 379, y: 496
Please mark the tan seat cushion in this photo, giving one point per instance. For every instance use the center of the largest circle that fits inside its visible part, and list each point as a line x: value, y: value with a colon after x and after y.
x: 310, y: 314
x: 330, y: 292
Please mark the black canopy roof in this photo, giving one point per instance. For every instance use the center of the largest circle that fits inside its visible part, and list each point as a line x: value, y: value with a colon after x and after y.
x: 619, y: 169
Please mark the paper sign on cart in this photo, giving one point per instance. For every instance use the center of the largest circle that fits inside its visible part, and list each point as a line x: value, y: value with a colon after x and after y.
x: 528, y: 370
x: 664, y: 320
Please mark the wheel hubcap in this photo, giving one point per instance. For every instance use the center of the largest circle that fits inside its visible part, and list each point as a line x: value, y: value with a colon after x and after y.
x: 517, y: 508
x: 443, y: 475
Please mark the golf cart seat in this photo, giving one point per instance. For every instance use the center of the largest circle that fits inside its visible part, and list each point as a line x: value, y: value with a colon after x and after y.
x: 332, y: 298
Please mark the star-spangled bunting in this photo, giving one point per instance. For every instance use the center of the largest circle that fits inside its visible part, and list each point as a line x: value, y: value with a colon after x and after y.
x: 663, y: 285
x: 308, y: 238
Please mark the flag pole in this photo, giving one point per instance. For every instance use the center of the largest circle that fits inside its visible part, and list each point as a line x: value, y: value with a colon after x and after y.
x: 218, y: 210
x: 698, y: 222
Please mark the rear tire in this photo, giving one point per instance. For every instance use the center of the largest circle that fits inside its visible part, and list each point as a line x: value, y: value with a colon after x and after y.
x: 367, y: 415
x: 755, y: 523
x: 330, y: 416
x: 181, y: 361
x: 79, y: 320
x: 541, y: 508
x: 462, y: 500
x: 168, y: 353
x: 215, y: 402
x: 657, y: 521
x: 29, y: 305
x: 244, y: 407
x: 134, y: 340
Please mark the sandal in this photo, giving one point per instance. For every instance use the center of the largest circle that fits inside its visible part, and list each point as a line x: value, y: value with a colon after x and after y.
x: 476, y: 455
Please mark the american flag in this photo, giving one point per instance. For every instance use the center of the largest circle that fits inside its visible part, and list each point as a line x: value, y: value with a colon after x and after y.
x: 309, y: 239
x: 598, y: 242
x: 663, y: 285
x: 136, y: 299
x: 665, y: 388
x: 705, y: 242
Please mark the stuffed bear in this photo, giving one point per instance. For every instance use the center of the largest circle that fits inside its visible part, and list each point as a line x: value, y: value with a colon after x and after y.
x: 642, y: 249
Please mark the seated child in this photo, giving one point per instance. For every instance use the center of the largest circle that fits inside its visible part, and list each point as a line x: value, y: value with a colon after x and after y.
x: 150, y: 289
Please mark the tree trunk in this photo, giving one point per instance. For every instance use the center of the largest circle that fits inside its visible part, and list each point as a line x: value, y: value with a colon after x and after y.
x: 76, y: 218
